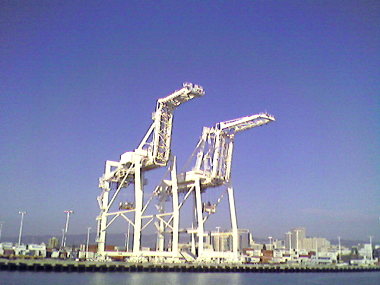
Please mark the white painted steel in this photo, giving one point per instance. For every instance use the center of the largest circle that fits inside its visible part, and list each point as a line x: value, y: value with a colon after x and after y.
x: 68, y: 213
x: 22, y: 213
x: 152, y: 152
x: 212, y: 168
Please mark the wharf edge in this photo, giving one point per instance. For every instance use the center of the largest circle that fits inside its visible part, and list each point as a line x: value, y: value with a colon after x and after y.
x: 48, y: 265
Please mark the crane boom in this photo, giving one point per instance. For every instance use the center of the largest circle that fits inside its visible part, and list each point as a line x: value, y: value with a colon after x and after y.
x: 212, y: 168
x: 152, y: 152
x: 245, y: 123
x: 186, y: 93
x: 154, y: 149
x: 215, y: 148
x: 163, y: 118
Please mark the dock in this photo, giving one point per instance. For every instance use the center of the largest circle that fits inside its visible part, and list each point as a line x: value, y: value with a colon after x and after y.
x: 53, y: 265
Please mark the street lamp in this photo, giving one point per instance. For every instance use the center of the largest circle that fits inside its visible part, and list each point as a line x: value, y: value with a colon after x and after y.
x: 270, y: 242
x: 127, y: 237
x: 68, y: 212
x: 22, y: 213
x: 88, y: 237
x: 339, y: 248
x: 63, y: 237
x: 1, y: 228
x: 270, y: 247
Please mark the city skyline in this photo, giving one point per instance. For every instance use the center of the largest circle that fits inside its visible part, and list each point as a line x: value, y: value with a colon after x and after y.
x: 118, y: 239
x: 79, y: 83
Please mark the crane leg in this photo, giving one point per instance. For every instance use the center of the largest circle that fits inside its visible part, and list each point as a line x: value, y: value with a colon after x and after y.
x: 200, y: 228
x: 138, y: 209
x: 234, y: 225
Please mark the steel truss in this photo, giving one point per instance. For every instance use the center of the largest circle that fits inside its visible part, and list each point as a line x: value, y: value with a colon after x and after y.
x: 153, y: 152
x: 212, y: 168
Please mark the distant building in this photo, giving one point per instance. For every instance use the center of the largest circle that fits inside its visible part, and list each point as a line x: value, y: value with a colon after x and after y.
x: 279, y: 244
x: 6, y: 248
x: 366, y: 250
x: 315, y: 244
x: 244, y: 238
x: 38, y: 250
x: 376, y: 252
x: 256, y: 246
x: 221, y: 241
x: 20, y: 249
x: 297, y: 235
x: 53, y: 243
x: 296, y: 239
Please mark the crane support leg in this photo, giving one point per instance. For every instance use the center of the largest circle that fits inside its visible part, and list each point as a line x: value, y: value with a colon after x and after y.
x: 234, y: 225
x: 200, y: 228
x: 161, y: 238
x: 175, y: 236
x: 138, y: 207
x: 103, y: 224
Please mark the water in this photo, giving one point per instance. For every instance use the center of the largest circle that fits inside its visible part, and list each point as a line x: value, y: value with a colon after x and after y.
x: 174, y: 278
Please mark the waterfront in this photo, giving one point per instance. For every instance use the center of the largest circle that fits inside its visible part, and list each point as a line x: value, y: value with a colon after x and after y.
x: 174, y: 278
x: 54, y: 265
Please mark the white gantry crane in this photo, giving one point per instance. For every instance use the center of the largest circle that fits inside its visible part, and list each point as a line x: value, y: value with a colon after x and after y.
x: 213, y: 159
x: 153, y: 152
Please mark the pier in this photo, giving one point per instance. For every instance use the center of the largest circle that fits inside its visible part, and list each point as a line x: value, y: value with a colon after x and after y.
x: 51, y: 265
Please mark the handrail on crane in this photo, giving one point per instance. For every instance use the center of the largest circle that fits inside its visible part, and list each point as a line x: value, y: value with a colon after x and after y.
x: 155, y: 146
x: 163, y: 118
x: 245, y: 123
x: 186, y: 93
x: 215, y: 149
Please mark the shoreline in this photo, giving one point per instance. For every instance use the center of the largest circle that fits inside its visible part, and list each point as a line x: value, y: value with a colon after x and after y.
x: 52, y: 265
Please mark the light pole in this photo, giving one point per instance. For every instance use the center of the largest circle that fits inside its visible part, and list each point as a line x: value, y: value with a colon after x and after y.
x: 63, y: 237
x: 270, y: 242
x: 339, y: 248
x: 1, y: 229
x: 68, y: 212
x: 22, y: 213
x: 88, y: 238
x: 128, y: 233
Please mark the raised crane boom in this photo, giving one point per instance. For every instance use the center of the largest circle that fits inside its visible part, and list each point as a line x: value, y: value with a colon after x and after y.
x: 152, y: 152
x: 215, y: 148
x: 163, y: 118
x: 154, y: 149
x: 245, y: 123
x: 212, y: 168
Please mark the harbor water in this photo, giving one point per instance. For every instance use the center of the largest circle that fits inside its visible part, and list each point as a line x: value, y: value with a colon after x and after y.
x: 179, y: 278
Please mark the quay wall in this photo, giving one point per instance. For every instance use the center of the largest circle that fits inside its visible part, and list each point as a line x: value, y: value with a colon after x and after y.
x: 51, y: 265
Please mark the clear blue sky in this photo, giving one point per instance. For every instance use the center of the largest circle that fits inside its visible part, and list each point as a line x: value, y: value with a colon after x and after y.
x: 79, y: 80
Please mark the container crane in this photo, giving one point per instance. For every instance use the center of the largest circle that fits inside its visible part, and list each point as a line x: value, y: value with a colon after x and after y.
x: 215, y: 148
x: 153, y: 152
x: 212, y: 168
